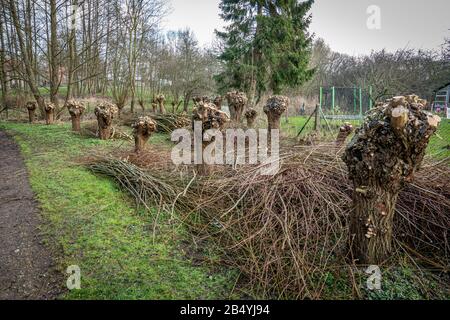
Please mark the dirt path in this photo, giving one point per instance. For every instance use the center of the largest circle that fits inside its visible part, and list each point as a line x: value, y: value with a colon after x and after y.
x: 26, y: 267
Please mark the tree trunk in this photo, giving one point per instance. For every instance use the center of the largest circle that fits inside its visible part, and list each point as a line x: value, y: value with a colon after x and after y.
x: 238, y: 110
x: 3, y: 75
x: 162, y: 109
x: 251, y: 122
x: 161, y: 100
x: 49, y: 116
x: 204, y: 169
x: 251, y: 116
x: 54, y: 65
x: 218, y: 102
x: 256, y: 60
x: 232, y: 112
x: 382, y: 157
x: 344, y: 132
x: 31, y: 79
x: 104, y: 129
x: 76, y: 123
x: 76, y: 110
x: 105, y: 113
x: 31, y: 115
x: 143, y: 128
x: 139, y: 142
x: 140, y: 139
x: 72, y: 50
x: 372, y: 223
x: 205, y: 113
x: 187, y: 98
x: 273, y: 121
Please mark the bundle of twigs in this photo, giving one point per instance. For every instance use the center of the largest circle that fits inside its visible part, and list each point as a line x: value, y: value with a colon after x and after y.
x: 149, y: 190
x: 90, y: 129
x: 167, y: 123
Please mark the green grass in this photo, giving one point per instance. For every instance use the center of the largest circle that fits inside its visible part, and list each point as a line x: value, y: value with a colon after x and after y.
x: 94, y: 225
x: 439, y: 146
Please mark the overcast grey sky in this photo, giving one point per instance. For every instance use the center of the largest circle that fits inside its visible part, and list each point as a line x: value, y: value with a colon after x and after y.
x: 342, y: 23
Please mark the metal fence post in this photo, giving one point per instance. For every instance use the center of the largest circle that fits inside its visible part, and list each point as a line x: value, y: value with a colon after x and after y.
x: 360, y: 102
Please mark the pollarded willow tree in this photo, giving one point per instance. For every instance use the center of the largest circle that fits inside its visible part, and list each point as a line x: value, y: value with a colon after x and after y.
x: 143, y: 128
x: 382, y: 158
x: 76, y: 110
x: 267, y: 46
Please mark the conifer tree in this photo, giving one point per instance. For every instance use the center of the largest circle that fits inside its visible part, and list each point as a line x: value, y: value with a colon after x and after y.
x: 267, y: 45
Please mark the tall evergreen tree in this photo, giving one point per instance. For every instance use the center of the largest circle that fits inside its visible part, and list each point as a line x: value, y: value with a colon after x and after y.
x: 267, y: 45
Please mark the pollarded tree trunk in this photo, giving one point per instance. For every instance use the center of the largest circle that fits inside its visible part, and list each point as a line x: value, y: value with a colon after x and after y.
x: 120, y: 107
x: 238, y: 109
x: 251, y: 116
x: 32, y: 106
x: 141, y: 104
x: 218, y: 102
x: 139, y: 141
x: 49, y: 113
x: 344, y: 132
x: 196, y: 100
x: 371, y: 225
x: 76, y: 110
x: 161, y: 99
x: 31, y: 115
x: 105, y: 113
x: 383, y: 156
x: 273, y: 121
x: 211, y: 118
x: 143, y: 128
x: 76, y: 123
x: 232, y: 112
x: 204, y: 169
x: 236, y: 103
x: 104, y: 128
x: 274, y: 108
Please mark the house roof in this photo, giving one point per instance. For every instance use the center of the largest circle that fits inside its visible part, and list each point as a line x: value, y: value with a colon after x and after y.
x: 444, y: 86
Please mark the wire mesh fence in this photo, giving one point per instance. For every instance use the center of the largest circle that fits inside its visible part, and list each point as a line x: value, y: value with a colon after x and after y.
x: 338, y: 106
x: 345, y: 102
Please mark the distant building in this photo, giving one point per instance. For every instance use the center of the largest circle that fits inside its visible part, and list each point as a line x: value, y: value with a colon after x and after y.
x: 442, y: 100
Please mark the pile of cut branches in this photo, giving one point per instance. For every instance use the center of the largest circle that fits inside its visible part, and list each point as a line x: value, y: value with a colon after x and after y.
x: 288, y: 233
x: 167, y: 123
x: 157, y: 189
x: 90, y: 129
